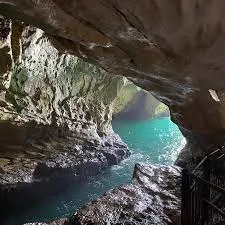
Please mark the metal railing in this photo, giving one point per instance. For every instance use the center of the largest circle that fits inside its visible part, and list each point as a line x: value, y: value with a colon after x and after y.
x: 203, y: 191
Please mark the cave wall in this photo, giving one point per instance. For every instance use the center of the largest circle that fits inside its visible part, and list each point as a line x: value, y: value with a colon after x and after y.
x: 125, y: 97
x: 44, y: 91
x: 48, y: 87
x: 175, y: 49
x: 134, y: 103
x: 55, y: 117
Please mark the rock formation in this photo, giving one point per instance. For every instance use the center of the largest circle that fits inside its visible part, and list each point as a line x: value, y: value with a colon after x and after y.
x: 55, y: 117
x: 175, y: 49
x: 153, y: 197
x: 134, y: 103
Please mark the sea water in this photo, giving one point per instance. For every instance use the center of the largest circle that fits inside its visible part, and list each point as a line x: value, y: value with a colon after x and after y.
x: 156, y: 141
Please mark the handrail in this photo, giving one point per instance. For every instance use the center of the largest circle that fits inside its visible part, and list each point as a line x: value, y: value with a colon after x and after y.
x: 218, y: 188
x: 221, y: 212
x: 199, y: 190
x: 197, y: 167
x: 218, y: 149
x: 205, y: 158
x: 220, y: 157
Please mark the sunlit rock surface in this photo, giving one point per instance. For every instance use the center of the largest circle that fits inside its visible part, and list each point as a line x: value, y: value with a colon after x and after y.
x: 175, y: 49
x: 55, y: 117
x: 134, y: 103
x: 153, y: 197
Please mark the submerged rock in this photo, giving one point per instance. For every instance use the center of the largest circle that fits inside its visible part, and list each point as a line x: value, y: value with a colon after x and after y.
x: 153, y: 197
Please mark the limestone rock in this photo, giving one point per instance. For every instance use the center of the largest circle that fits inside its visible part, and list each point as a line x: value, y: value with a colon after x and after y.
x: 55, y: 117
x: 134, y: 103
x: 5, y: 57
x: 125, y: 97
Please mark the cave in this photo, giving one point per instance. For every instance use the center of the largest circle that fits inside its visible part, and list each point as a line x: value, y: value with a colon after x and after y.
x: 55, y: 127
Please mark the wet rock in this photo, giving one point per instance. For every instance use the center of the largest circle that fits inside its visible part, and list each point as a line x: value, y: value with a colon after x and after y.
x: 153, y: 197
x: 44, y: 167
x: 58, y: 222
x: 131, y: 99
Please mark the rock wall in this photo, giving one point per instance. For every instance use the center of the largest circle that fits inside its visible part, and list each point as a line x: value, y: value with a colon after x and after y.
x: 175, y: 49
x: 55, y: 117
x: 125, y: 97
x: 49, y: 87
x: 134, y: 103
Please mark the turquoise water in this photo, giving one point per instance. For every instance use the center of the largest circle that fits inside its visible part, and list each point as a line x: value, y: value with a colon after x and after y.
x: 153, y: 141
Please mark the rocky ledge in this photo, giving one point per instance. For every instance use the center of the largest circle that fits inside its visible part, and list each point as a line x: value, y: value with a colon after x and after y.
x: 45, y: 167
x: 153, y: 197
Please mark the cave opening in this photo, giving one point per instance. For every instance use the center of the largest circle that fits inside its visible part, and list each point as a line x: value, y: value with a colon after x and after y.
x: 144, y: 123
